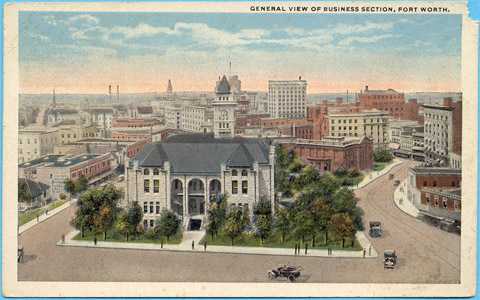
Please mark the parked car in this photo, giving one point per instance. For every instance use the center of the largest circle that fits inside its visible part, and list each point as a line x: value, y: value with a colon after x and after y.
x: 375, y: 229
x: 291, y: 273
x: 389, y: 259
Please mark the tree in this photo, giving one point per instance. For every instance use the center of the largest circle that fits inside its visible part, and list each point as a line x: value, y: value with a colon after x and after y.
x: 70, y: 187
x: 133, y: 217
x: 121, y: 225
x: 282, y: 222
x: 322, y: 214
x: 340, y: 171
x: 304, y: 224
x: 91, y: 203
x: 216, y: 214
x: 24, y: 194
x: 345, y: 202
x: 233, y: 226
x: 352, y: 173
x: 104, y: 219
x: 341, y: 227
x: 168, y: 224
x: 81, y: 185
x: 63, y: 196
x: 152, y: 234
x: 262, y: 218
x: 383, y: 155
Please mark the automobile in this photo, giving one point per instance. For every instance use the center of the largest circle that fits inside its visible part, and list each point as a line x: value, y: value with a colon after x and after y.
x: 291, y: 273
x: 375, y: 229
x: 389, y: 259
x: 20, y: 254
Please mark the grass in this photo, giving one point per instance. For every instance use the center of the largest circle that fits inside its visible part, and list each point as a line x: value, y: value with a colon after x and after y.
x: 31, y: 215
x: 275, y: 241
x: 112, y: 236
x: 378, y: 166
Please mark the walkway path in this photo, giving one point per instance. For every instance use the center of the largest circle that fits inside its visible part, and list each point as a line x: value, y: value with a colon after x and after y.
x: 373, y: 175
x: 186, y: 245
x: 401, y: 201
x: 44, y: 216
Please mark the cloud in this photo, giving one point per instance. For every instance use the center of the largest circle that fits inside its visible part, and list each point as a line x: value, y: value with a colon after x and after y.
x: 141, y: 30
x: 84, y: 18
x: 361, y: 39
x: 51, y: 20
x: 38, y: 36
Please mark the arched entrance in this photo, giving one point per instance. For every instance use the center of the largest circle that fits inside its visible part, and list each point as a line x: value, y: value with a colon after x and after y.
x: 215, y: 188
x: 196, y: 197
x: 177, y: 197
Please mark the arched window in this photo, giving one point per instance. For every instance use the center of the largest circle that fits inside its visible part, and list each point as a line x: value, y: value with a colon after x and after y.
x: 234, y: 173
x: 146, y: 172
x: 156, y: 171
x: 244, y: 173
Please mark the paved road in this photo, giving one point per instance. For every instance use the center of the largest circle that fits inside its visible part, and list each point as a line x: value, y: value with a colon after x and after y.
x: 426, y: 254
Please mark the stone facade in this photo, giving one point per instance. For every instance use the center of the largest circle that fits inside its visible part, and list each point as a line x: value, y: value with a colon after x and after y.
x: 287, y: 98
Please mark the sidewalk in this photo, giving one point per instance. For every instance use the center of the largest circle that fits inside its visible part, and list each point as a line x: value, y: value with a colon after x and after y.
x: 372, y: 176
x: 401, y: 201
x: 43, y: 217
x: 186, y: 246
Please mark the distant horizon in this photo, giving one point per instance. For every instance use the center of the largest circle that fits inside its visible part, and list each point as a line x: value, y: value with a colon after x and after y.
x: 87, y: 51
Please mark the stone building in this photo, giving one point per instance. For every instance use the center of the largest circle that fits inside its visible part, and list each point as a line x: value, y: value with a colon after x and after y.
x: 287, y: 98
x: 33, y: 144
x: 183, y: 172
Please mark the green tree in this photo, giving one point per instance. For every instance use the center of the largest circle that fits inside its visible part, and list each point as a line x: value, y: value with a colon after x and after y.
x: 104, y: 219
x: 121, y: 225
x: 304, y: 224
x: 24, y: 194
x: 81, y: 185
x: 133, y: 217
x: 233, y: 226
x: 216, y: 214
x: 383, y: 155
x: 352, y: 173
x: 63, y: 196
x: 340, y: 172
x: 341, y: 227
x: 322, y: 214
x: 345, y: 202
x: 168, y: 224
x: 282, y: 222
x: 70, y: 187
x: 262, y: 218
x: 152, y: 234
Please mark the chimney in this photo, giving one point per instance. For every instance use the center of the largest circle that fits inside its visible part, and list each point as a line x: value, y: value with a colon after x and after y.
x: 339, y: 100
x: 299, y: 78
x: 53, y: 101
x: 110, y: 92
x: 448, y: 101
x: 366, y: 88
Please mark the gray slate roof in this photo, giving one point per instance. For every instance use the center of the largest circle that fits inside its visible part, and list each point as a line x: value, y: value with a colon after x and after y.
x: 34, y: 187
x: 202, y: 153
x: 223, y: 86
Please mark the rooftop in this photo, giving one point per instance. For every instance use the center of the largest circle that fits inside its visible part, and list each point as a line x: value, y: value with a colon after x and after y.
x: 436, y: 170
x: 58, y: 161
x: 223, y: 86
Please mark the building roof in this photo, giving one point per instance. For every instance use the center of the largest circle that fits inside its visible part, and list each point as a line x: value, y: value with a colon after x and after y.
x: 34, y: 187
x: 64, y: 111
x: 452, y: 193
x: 144, y: 109
x: 436, y: 171
x: 223, y: 86
x: 59, y: 161
x: 389, y: 91
x: 99, y: 110
x: 202, y: 153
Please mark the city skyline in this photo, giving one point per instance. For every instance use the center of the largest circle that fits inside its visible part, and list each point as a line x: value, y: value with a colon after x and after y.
x: 86, y: 52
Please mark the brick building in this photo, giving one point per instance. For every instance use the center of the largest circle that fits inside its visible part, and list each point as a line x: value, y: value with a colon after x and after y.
x: 389, y: 101
x: 135, y: 123
x: 333, y: 152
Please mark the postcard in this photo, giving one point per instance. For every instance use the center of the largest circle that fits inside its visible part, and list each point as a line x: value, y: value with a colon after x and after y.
x: 240, y: 149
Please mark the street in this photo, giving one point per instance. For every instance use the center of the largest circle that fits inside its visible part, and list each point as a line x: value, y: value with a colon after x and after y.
x: 425, y: 254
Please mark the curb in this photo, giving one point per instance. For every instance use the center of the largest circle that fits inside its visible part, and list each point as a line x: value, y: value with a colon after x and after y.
x: 387, y: 170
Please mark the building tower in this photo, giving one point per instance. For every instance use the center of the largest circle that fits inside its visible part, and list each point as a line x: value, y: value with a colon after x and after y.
x: 54, y: 103
x: 169, y: 87
x: 224, y: 111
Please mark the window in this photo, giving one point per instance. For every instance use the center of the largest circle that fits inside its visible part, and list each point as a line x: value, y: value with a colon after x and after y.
x: 434, y: 184
x: 455, y: 205
x: 234, y: 187
x: 424, y: 184
x: 436, y: 201
x: 151, y: 207
x: 151, y: 223
x: 146, y: 186
x: 156, y: 171
x: 156, y: 186
x: 146, y: 172
x: 444, y: 203
x: 427, y: 198
x: 145, y: 208
x: 244, y: 187
x: 244, y: 173
x: 234, y: 173
x: 453, y: 184
x: 145, y: 223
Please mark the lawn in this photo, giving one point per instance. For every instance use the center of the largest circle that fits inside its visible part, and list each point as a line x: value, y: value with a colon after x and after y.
x: 378, y: 166
x: 112, y: 236
x: 31, y: 215
x: 275, y: 241
x: 56, y: 204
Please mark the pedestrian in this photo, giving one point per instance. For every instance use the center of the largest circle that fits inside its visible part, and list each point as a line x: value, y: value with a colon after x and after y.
x: 364, y: 251
x: 161, y: 244
x: 37, y: 218
x: 295, y: 249
x: 193, y: 245
x: 63, y: 238
x: 306, y: 248
x: 370, y: 250
x: 46, y: 212
x: 95, y: 240
x: 205, y: 245
x: 353, y: 242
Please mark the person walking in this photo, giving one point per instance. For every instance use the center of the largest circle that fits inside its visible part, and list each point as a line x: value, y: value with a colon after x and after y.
x: 95, y: 240
x: 370, y: 250
x: 306, y: 248
x: 161, y: 244
x: 205, y: 245
x: 193, y: 245
x: 364, y: 251
x: 46, y: 212
x: 37, y: 219
x: 63, y: 238
x: 295, y: 249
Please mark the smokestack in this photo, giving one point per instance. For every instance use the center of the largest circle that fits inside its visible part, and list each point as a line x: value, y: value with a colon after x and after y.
x: 366, y: 88
x: 299, y: 78
x: 110, y: 92
x: 54, y: 103
x: 118, y: 93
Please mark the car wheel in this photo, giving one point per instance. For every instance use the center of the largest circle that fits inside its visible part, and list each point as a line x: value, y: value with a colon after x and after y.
x: 271, y: 276
x: 291, y: 278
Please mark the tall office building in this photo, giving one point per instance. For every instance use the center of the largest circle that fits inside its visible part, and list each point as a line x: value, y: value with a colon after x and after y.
x: 287, y: 98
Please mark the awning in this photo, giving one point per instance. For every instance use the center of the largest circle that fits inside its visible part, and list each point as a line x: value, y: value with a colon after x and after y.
x: 394, y: 146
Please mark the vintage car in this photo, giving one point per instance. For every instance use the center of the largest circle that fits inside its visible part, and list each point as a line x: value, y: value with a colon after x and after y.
x: 389, y: 259
x: 20, y: 254
x: 291, y: 273
x: 375, y: 229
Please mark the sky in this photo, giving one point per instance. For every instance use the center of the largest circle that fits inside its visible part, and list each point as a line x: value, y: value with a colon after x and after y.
x: 82, y: 52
